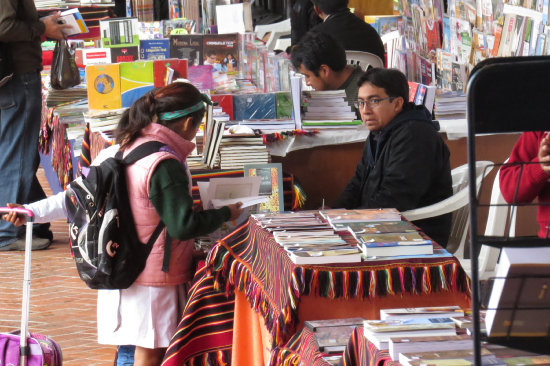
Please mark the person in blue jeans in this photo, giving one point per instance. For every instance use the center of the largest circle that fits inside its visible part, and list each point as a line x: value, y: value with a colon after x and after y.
x: 20, y: 109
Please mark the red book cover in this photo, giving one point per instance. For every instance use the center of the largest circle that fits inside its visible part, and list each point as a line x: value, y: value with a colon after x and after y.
x: 225, y: 101
x: 161, y: 66
x: 413, y: 87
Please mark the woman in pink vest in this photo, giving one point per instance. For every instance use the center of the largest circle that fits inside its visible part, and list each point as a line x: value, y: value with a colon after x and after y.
x: 159, y: 186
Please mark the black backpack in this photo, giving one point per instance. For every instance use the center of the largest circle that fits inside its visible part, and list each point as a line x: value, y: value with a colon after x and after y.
x: 104, y: 241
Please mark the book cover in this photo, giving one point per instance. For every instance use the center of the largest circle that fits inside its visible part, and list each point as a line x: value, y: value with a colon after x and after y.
x: 103, y: 86
x: 178, y: 26
x: 188, y: 47
x: 201, y: 76
x: 422, y: 312
x: 395, y: 325
x: 92, y: 56
x: 150, y: 30
x: 221, y: 51
x: 166, y: 71
x: 271, y: 184
x: 420, y: 94
x: 284, y: 105
x: 361, y: 215
x: 315, y: 324
x: 447, y: 358
x: 254, y: 106
x: 119, y: 32
x: 124, y: 54
x: 399, y: 345
x: 325, y: 257
x: 225, y: 101
x: 73, y: 18
x: 516, y: 310
x: 413, y: 87
x: 136, y: 78
x: 154, y: 49
x: 370, y: 227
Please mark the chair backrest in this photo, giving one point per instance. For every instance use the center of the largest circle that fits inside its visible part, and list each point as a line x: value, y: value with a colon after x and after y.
x: 363, y: 59
x: 276, y: 30
x: 457, y: 204
x: 461, y: 217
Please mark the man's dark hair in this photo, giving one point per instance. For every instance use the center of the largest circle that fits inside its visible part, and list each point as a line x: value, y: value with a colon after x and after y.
x: 331, y: 6
x: 316, y: 49
x: 393, y: 81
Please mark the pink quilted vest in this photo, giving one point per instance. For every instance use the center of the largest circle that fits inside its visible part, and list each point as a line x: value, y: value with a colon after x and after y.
x: 138, y: 176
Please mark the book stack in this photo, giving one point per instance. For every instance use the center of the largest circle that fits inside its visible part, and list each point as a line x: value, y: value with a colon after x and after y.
x: 381, y: 232
x: 238, y: 150
x: 332, y: 335
x: 379, y: 332
x: 450, y: 105
x: 308, y: 239
x: 104, y: 122
x: 328, y: 109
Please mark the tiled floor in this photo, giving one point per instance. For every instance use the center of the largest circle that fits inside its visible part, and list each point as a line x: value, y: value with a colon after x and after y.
x: 61, y: 306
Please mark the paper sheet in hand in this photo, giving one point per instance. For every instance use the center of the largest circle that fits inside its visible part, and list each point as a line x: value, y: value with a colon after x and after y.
x: 228, y: 188
x: 246, y: 201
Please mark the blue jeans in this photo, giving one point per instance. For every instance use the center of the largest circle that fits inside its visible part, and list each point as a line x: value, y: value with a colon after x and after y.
x: 125, y: 356
x: 20, y: 113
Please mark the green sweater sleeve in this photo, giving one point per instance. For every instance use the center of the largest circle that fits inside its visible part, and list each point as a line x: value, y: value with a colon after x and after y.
x: 170, y: 195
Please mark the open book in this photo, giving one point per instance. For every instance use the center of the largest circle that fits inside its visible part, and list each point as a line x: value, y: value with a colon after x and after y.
x: 219, y: 192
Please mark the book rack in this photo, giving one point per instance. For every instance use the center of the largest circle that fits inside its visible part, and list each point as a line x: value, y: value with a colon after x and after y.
x: 504, y: 95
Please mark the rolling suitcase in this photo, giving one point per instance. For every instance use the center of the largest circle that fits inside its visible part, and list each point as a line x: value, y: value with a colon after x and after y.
x: 35, y: 349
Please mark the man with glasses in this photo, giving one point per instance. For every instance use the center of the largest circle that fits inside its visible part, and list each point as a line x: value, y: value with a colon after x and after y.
x: 405, y: 163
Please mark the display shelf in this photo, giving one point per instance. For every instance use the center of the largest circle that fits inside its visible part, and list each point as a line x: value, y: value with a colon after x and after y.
x: 504, y: 95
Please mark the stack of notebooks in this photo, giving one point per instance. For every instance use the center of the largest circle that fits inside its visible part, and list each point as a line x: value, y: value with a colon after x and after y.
x: 328, y: 109
x: 103, y: 121
x: 238, y: 150
x: 308, y: 239
x: 380, y: 232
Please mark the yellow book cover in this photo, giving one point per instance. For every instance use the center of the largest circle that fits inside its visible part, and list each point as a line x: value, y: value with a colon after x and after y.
x: 103, y: 86
x: 136, y: 79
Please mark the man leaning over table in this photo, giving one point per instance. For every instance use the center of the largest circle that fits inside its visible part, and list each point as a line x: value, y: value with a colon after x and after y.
x: 405, y: 163
x: 322, y: 61
x: 20, y: 107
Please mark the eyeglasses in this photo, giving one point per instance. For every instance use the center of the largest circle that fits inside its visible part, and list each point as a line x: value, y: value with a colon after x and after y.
x: 371, y: 103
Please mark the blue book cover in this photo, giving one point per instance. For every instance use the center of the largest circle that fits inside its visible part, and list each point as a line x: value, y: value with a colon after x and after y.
x: 254, y: 106
x: 154, y: 49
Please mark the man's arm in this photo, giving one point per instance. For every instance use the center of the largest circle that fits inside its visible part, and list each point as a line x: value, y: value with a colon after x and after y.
x: 527, y: 179
x: 13, y: 29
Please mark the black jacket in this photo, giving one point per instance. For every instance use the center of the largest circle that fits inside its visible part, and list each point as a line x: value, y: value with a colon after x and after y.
x: 353, y: 33
x: 406, y: 166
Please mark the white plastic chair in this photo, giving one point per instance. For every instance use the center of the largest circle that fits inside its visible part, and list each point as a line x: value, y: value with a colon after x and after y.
x: 496, y: 226
x: 276, y: 30
x: 363, y: 59
x: 457, y: 204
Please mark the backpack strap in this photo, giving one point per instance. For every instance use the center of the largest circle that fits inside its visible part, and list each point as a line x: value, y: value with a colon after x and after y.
x: 139, y: 153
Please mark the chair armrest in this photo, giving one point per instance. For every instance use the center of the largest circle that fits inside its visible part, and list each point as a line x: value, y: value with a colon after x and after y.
x: 446, y: 206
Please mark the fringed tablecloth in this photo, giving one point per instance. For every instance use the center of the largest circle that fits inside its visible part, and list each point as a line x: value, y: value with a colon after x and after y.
x: 250, y: 260
x: 361, y: 352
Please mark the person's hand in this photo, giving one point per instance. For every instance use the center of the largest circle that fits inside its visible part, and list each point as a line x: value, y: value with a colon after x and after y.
x: 236, y: 210
x: 53, y: 28
x: 544, y: 153
x: 13, y: 217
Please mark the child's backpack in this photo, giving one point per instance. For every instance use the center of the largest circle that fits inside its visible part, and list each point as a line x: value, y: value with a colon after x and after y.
x: 104, y: 241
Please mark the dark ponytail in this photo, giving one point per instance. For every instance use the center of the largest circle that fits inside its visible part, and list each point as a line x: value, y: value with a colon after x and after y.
x: 144, y: 111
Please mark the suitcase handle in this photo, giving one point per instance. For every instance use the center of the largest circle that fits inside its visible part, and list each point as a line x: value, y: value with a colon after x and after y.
x: 29, y: 215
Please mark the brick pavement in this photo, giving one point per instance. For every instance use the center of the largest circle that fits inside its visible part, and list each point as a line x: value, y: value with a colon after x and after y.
x: 61, y: 306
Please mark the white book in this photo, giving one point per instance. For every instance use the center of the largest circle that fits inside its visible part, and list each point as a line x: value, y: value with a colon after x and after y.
x: 422, y: 312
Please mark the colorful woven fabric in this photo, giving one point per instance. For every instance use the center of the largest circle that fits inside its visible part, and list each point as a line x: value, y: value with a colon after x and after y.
x: 249, y: 259
x: 361, y: 352
x: 85, y: 155
x: 301, y: 349
x: 205, y: 333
